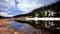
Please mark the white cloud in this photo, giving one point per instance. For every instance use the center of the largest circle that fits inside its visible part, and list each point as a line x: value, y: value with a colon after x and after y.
x: 25, y: 5
x: 5, y: 5
x: 29, y: 5
x: 5, y: 14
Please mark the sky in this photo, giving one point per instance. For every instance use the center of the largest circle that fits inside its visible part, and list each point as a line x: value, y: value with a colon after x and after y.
x: 9, y: 8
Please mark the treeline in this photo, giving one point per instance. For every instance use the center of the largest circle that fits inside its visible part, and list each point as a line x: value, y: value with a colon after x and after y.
x: 1, y: 17
x: 55, y: 7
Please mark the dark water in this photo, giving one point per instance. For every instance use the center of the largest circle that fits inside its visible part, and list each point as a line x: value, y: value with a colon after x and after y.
x: 28, y: 29
x: 18, y: 25
x: 23, y: 27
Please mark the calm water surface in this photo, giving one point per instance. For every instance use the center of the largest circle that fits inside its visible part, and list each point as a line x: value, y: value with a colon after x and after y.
x: 23, y: 27
x: 27, y: 29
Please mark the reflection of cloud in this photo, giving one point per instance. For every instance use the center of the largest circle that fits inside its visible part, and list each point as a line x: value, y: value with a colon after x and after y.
x: 29, y: 5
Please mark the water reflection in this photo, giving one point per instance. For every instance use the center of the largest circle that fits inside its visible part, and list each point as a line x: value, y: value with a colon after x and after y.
x: 25, y: 28
x: 18, y: 25
x: 15, y: 24
x: 21, y: 27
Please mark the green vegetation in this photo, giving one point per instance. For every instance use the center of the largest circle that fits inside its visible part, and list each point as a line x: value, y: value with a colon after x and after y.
x: 55, y: 7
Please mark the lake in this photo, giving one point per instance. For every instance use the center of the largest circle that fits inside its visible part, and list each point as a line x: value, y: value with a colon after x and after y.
x: 25, y: 28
